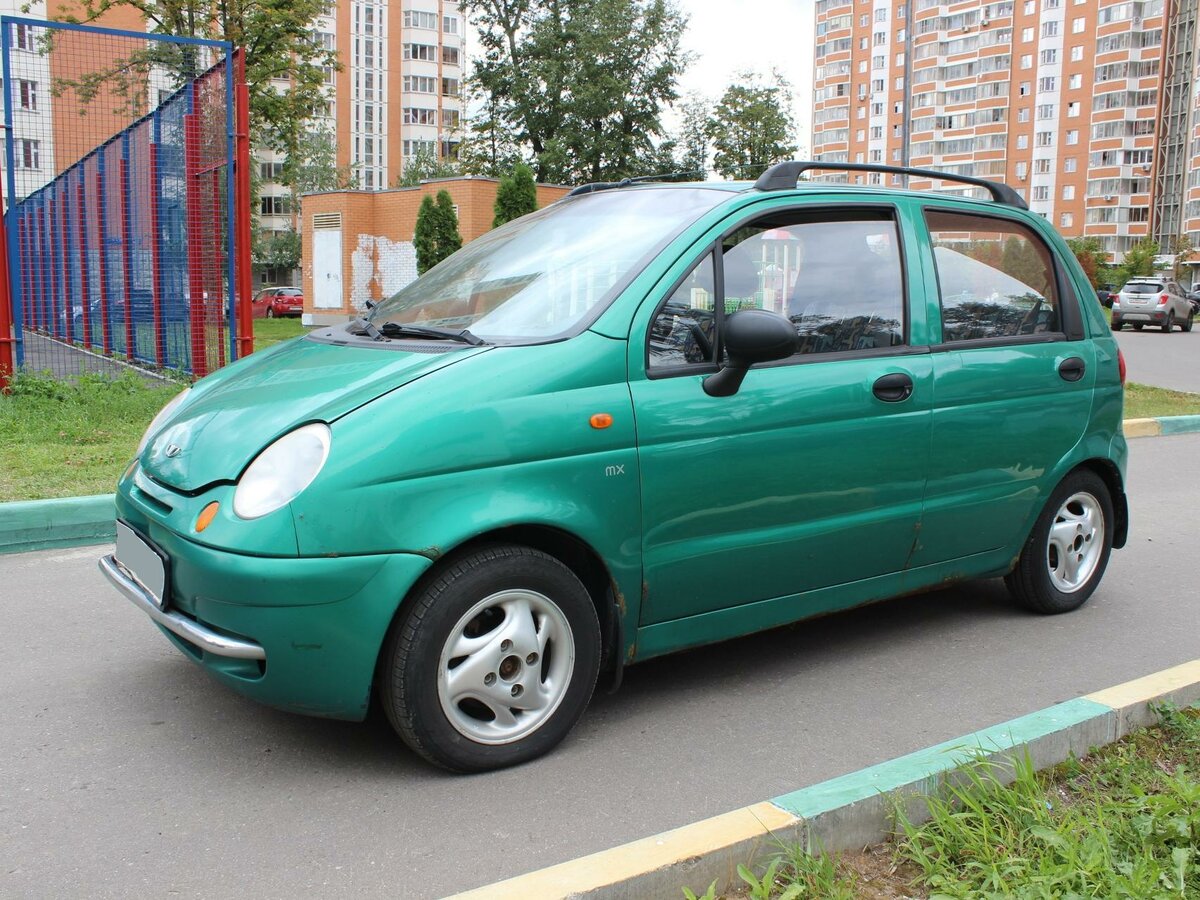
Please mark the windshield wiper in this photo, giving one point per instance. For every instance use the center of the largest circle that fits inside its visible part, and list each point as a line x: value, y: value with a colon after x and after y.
x: 396, y: 329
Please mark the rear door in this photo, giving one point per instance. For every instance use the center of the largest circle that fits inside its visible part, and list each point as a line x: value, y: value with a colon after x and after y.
x: 812, y: 474
x: 1013, y: 379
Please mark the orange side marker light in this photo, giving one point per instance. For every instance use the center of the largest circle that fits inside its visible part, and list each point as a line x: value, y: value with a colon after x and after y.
x: 600, y: 420
x: 207, y: 515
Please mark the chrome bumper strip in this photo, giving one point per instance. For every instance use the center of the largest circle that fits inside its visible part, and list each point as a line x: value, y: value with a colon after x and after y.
x: 207, y: 640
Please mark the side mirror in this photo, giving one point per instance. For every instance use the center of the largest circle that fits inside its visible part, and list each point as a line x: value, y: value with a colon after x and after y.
x: 751, y: 336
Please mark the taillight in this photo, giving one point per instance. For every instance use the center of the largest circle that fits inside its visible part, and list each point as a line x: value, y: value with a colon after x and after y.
x: 1162, y: 301
x: 1121, y: 365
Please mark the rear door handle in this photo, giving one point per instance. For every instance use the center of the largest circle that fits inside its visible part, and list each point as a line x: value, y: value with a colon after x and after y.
x: 893, y: 388
x: 1071, y: 368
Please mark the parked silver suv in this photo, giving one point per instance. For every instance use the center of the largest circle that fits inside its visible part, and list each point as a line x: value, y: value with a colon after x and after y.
x: 1152, y: 301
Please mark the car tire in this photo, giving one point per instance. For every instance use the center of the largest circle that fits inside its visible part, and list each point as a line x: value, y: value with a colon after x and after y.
x: 1169, y: 325
x: 1138, y: 326
x: 1067, y: 552
x: 270, y: 313
x: 1116, y: 324
x: 1188, y: 322
x: 530, y: 654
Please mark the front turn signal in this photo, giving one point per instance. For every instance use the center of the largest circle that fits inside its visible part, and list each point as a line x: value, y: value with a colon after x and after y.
x: 207, y: 515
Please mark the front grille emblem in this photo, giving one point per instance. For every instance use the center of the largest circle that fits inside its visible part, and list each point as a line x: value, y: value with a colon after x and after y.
x: 172, y: 451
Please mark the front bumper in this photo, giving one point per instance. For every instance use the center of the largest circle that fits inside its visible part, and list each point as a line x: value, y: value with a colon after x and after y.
x: 300, y: 634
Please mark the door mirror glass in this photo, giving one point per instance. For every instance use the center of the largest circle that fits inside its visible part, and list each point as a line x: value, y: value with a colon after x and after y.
x: 751, y: 336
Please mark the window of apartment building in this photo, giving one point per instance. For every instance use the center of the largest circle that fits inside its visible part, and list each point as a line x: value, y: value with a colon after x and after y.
x: 864, y: 20
x: 1069, y: 164
x: 881, y: 14
x: 1041, y: 166
x: 1068, y: 192
x: 27, y: 154
x: 1022, y: 142
x: 900, y: 13
x: 899, y: 59
x: 1075, y: 82
x: 879, y: 62
x: 1044, y: 139
x: 1073, y: 109
x: 23, y: 37
x: 862, y: 67
x: 1026, y: 34
x: 1041, y: 192
x: 1072, y: 137
x: 416, y: 115
x: 862, y: 42
x: 28, y: 93
x: 1049, y: 57
x: 877, y: 133
x: 858, y: 158
x: 1066, y: 220
x: 450, y: 151
x: 449, y: 87
x: 1026, y: 61
x: 1045, y: 111
x: 860, y: 135
x: 1077, y: 54
x: 417, y: 19
x: 1049, y: 83
x: 450, y: 24
x: 1050, y: 29
x: 270, y: 171
x: 862, y: 91
x: 897, y: 131
x: 1023, y: 114
x: 1022, y: 169
x: 328, y: 41
x: 876, y: 156
x: 901, y: 35
x: 450, y: 56
x: 1023, y: 90
x: 1050, y: 4
x: 426, y: 52
x: 275, y: 205
x: 877, y: 109
x: 419, y: 84
x: 860, y: 113
x: 880, y: 38
x: 412, y: 148
x: 1030, y: 7
x: 899, y: 83
x: 1077, y: 25
x: 451, y: 118
x: 876, y: 85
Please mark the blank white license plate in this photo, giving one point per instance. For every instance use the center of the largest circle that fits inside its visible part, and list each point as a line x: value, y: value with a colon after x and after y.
x: 143, y: 562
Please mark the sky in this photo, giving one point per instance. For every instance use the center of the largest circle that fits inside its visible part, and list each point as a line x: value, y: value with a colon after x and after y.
x: 730, y: 37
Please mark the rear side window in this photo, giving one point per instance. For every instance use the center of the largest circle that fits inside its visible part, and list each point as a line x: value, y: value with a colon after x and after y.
x: 995, y: 277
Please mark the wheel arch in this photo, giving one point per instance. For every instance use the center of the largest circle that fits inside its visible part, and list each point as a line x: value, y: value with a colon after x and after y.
x: 1107, y: 470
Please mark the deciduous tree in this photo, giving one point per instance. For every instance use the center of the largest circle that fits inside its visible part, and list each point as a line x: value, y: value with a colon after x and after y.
x: 752, y: 126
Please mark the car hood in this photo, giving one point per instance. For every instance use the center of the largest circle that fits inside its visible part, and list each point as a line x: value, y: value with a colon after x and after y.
x: 233, y: 414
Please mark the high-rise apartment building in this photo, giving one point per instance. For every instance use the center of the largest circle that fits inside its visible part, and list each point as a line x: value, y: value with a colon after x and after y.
x: 399, y: 92
x: 1086, y: 107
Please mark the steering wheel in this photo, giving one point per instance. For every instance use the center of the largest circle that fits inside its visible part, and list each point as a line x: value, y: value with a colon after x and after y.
x: 1029, y: 321
x: 701, y: 340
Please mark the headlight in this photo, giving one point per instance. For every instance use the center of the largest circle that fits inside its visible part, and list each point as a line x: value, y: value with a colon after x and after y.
x: 282, y: 471
x: 163, y: 414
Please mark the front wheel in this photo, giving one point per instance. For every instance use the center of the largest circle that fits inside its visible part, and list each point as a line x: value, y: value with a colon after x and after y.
x: 1188, y: 322
x: 270, y: 313
x: 1067, y: 552
x: 494, y: 661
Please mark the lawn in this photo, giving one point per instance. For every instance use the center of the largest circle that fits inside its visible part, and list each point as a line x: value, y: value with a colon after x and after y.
x: 1123, y: 821
x: 64, y: 439
x: 61, y: 439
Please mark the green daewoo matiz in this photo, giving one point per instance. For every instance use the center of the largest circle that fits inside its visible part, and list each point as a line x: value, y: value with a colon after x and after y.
x: 644, y: 418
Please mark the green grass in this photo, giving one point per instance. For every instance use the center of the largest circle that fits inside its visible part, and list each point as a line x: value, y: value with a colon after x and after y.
x: 1123, y: 822
x: 272, y: 331
x: 67, y: 438
x: 1143, y: 401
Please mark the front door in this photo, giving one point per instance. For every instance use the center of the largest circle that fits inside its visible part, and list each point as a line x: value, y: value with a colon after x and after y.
x: 812, y: 474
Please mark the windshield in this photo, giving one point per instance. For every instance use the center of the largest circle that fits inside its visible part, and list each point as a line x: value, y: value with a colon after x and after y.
x: 542, y: 275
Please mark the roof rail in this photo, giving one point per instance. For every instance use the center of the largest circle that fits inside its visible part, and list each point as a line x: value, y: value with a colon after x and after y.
x: 782, y: 177
x: 625, y: 182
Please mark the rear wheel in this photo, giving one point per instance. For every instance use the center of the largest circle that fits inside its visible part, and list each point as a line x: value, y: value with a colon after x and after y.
x: 270, y: 313
x: 1067, y: 552
x: 494, y: 661
x: 1116, y: 324
x: 1169, y: 325
x: 1138, y: 326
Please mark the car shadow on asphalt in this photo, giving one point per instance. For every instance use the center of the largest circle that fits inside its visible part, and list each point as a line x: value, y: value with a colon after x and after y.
x: 236, y: 728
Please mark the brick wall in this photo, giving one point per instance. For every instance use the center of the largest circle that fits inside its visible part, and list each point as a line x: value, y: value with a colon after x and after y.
x: 378, y: 257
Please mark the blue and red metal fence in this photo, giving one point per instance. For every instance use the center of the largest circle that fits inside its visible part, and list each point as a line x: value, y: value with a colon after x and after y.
x: 136, y: 250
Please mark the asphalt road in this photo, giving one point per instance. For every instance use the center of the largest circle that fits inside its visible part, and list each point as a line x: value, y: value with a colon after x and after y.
x: 1163, y: 360
x: 124, y: 771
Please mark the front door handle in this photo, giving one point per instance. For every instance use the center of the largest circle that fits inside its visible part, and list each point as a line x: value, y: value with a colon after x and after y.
x: 1071, y: 368
x: 893, y: 388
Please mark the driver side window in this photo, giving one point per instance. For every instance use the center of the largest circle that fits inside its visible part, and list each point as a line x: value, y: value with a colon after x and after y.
x: 684, y: 331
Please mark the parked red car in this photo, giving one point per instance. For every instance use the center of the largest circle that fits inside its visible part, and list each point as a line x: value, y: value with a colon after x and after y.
x: 277, y: 301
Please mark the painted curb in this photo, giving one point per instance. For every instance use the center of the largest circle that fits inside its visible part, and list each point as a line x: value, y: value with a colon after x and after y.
x: 849, y: 812
x: 27, y: 525
x: 1160, y: 425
